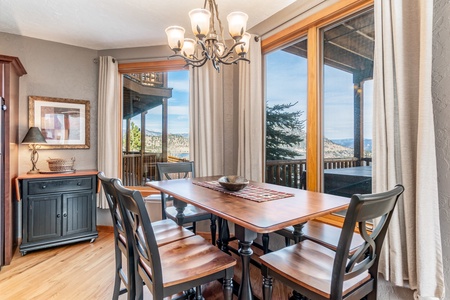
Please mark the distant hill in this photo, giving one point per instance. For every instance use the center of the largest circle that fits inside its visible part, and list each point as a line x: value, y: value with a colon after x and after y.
x: 331, y: 148
x: 349, y: 143
x: 179, y: 145
x: 157, y: 133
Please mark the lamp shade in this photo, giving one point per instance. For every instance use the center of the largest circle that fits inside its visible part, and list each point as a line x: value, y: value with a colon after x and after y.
x: 175, y: 37
x: 188, y: 48
x: 243, y: 49
x: 237, y: 24
x: 34, y: 136
x: 200, y: 22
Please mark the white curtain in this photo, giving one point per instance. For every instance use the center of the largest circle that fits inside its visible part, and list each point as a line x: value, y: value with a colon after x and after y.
x: 206, y: 136
x: 109, y: 120
x: 404, y: 144
x: 251, y: 115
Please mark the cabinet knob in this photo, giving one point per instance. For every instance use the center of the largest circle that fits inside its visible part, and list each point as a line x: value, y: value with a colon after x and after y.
x: 65, y: 215
x: 44, y: 187
x: 58, y: 216
x: 78, y: 183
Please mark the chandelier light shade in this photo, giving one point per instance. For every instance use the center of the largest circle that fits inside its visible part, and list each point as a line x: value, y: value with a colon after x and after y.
x: 243, y: 48
x: 200, y: 22
x: 237, y: 24
x: 210, y: 42
x: 175, y: 35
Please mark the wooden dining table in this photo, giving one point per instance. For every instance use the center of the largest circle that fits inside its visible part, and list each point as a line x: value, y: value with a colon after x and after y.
x: 261, y: 212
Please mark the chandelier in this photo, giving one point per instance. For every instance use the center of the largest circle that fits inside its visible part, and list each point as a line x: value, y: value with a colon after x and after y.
x: 210, y: 41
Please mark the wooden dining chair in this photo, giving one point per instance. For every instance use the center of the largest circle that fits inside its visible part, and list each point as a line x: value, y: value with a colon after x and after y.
x: 321, y: 233
x: 316, y: 272
x: 174, y: 267
x: 191, y: 213
x: 165, y: 231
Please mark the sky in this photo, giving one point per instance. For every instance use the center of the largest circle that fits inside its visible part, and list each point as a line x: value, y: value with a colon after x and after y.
x: 178, y: 106
x: 286, y: 82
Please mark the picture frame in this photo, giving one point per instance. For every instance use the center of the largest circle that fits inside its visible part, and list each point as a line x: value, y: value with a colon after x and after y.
x: 65, y: 123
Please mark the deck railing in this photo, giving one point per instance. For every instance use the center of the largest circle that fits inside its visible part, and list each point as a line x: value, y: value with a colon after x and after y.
x: 291, y: 172
x: 139, y: 168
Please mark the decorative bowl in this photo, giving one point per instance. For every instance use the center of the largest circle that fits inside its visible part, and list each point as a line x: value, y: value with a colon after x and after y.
x: 233, y: 182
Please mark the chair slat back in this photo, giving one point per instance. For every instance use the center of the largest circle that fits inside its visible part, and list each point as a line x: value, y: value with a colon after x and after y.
x: 113, y: 204
x: 167, y: 171
x: 138, y: 225
x: 362, y: 210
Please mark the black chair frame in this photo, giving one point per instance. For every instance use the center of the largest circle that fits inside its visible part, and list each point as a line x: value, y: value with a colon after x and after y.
x: 362, y: 210
x: 184, y: 170
x: 120, y: 245
x: 142, y: 236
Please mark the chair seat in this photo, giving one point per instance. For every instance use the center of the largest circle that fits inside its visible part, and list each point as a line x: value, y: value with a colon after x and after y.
x: 191, y: 214
x: 323, y: 234
x: 190, y: 259
x: 309, y: 265
x: 167, y: 231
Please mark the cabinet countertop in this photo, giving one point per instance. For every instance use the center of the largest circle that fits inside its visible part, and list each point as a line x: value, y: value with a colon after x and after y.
x: 44, y: 176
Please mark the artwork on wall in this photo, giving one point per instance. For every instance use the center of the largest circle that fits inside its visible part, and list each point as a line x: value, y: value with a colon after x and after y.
x: 63, y: 122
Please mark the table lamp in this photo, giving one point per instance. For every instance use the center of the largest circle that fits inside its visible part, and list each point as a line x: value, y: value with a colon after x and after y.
x: 33, y: 138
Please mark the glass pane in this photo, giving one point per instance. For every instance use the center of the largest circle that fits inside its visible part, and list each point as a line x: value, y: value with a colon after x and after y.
x: 178, y: 115
x: 286, y: 103
x: 147, y: 137
x: 348, y: 48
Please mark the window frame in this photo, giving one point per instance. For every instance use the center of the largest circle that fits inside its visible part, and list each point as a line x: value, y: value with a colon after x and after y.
x: 311, y: 27
x: 145, y: 67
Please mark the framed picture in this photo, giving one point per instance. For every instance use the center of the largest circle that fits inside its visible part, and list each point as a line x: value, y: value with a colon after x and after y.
x: 63, y: 122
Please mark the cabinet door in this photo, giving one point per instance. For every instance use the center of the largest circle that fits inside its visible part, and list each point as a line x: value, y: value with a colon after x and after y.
x: 44, y: 217
x: 77, y: 213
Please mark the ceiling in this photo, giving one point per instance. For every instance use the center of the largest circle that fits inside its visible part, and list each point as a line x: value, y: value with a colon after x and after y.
x: 113, y: 24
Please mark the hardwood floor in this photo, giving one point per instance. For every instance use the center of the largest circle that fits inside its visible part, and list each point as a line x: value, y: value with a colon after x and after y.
x: 84, y: 271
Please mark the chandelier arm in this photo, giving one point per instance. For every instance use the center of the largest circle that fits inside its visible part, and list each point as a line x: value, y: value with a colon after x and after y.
x: 192, y: 62
x: 227, y: 53
x: 234, y: 61
x: 197, y: 63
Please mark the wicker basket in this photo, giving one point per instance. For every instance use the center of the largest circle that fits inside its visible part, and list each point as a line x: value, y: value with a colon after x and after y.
x: 60, y: 164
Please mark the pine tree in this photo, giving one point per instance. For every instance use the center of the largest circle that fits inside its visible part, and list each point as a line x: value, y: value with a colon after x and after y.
x: 283, y: 130
x: 135, y: 138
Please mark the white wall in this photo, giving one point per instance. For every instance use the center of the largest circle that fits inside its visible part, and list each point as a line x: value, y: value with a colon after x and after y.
x: 441, y: 101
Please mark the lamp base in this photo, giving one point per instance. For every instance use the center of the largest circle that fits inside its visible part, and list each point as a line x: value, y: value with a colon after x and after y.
x: 33, y: 171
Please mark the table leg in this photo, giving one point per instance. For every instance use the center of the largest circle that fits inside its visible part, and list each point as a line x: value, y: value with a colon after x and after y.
x: 298, y: 232
x: 179, y: 206
x: 245, y: 238
x: 224, y: 235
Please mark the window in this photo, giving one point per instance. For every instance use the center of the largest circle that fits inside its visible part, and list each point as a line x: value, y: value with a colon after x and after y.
x: 155, y: 125
x: 338, y: 75
x: 286, y: 105
x: 347, y: 62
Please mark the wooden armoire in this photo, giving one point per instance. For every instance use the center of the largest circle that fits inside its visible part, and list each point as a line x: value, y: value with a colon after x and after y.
x: 11, y: 69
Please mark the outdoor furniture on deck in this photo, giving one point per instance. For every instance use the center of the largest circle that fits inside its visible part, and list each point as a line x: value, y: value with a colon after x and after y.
x: 348, y: 181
